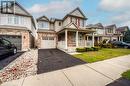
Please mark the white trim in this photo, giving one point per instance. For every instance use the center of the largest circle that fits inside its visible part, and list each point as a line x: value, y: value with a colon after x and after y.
x: 66, y: 41
x: 77, y: 40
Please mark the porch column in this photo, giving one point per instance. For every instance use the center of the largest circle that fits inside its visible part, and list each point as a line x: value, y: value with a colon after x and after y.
x: 119, y: 39
x: 85, y: 40
x: 93, y: 39
x: 98, y: 39
x: 77, y: 40
x: 66, y: 41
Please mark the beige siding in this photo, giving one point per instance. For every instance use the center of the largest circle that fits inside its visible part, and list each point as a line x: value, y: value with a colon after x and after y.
x: 77, y: 13
x: 66, y: 21
x: 23, y: 21
x: 56, y: 25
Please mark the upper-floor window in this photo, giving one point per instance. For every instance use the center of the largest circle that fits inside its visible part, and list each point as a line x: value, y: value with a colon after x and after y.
x: 77, y: 21
x: 10, y: 19
x: 43, y: 24
x: 74, y: 20
x: 59, y: 23
x: 16, y: 20
x: 110, y: 30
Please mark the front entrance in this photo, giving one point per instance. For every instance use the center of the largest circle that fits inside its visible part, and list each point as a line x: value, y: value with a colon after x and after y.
x: 48, y: 42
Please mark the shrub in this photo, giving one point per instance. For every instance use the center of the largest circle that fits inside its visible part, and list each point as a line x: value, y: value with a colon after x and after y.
x: 89, y: 49
x: 80, y: 49
x: 108, y: 45
x: 95, y: 48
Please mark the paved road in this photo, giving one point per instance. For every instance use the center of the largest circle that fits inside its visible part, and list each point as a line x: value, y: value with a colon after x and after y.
x: 103, y: 73
x: 54, y: 59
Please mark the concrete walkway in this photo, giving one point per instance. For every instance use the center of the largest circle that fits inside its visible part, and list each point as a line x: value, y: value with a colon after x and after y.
x: 96, y: 74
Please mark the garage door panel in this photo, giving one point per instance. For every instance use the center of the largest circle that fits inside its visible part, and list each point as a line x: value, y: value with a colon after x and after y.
x: 16, y: 40
x: 48, y: 42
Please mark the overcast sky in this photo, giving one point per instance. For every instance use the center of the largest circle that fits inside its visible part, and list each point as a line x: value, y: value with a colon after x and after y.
x: 104, y: 11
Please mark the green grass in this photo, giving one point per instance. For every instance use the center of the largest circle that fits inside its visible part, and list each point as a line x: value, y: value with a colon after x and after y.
x: 126, y: 75
x: 102, y: 54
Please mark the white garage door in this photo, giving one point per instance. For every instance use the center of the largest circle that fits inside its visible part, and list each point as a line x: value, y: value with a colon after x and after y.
x: 48, y: 42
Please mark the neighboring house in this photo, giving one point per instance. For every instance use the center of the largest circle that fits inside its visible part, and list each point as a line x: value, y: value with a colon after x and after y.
x: 105, y: 33
x: 122, y: 30
x: 17, y: 26
x: 112, y: 34
x: 66, y: 34
x: 99, y: 34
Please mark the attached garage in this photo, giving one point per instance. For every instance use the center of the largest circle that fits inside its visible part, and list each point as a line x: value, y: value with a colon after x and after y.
x: 48, y: 42
x: 14, y: 39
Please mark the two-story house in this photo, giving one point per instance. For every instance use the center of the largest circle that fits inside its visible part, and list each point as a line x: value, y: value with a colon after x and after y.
x: 66, y: 34
x: 99, y: 32
x: 17, y: 25
x: 112, y: 34
x: 122, y: 29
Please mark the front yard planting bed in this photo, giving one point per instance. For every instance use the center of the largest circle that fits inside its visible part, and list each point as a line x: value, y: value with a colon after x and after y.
x: 126, y: 75
x: 102, y: 54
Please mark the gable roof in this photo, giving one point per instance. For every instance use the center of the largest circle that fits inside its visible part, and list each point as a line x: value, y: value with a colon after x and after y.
x: 110, y: 26
x: 71, y: 13
x: 43, y: 18
x: 77, y: 9
x: 71, y: 25
x: 98, y: 26
x: 123, y: 29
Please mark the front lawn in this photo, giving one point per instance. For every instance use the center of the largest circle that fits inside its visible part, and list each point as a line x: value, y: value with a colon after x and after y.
x: 102, y: 54
x: 126, y: 75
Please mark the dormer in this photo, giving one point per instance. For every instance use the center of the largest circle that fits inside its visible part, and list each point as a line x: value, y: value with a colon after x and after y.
x: 43, y: 23
x: 76, y: 16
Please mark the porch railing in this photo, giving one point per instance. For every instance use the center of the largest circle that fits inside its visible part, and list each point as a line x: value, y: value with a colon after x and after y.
x: 89, y: 43
x: 81, y: 43
x: 61, y: 44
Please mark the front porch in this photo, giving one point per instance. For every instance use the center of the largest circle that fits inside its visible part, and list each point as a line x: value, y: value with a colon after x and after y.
x: 70, y: 39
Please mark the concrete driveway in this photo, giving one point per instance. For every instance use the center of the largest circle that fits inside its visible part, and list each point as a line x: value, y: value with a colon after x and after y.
x: 54, y: 59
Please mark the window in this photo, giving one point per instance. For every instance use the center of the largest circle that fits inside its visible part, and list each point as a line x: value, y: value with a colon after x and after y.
x: 74, y: 20
x: 43, y: 25
x: 59, y: 23
x: 110, y: 30
x: 21, y: 20
x: 16, y: 20
x: 81, y: 22
x: 10, y: 19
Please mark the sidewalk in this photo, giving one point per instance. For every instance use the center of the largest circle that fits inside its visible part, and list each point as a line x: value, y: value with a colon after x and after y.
x: 95, y: 74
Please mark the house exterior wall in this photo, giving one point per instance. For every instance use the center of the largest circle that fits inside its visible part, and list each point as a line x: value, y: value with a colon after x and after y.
x: 9, y: 19
x: 66, y: 21
x: 100, y: 32
x: 57, y: 26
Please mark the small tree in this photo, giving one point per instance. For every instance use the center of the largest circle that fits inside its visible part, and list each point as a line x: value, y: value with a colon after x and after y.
x: 127, y: 37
